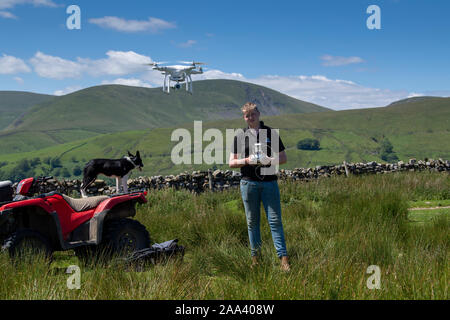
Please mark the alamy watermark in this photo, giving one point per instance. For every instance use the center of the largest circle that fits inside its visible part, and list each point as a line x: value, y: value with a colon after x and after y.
x: 74, y: 281
x: 73, y: 22
x: 374, y: 281
x: 374, y: 21
x: 260, y: 145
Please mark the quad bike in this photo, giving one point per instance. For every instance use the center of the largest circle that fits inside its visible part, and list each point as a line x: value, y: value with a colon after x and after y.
x: 55, y: 222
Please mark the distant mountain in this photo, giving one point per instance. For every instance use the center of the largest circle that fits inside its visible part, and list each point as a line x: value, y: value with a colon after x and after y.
x: 113, y: 108
x: 14, y: 104
x: 411, y: 100
x: 415, y: 129
x: 116, y: 108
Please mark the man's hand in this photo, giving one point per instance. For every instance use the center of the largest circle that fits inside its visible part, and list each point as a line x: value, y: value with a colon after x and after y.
x: 265, y: 160
x: 253, y: 160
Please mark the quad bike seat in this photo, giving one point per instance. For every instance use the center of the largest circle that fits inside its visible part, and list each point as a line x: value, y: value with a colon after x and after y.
x: 84, y: 204
x: 6, y: 191
x: 5, y: 184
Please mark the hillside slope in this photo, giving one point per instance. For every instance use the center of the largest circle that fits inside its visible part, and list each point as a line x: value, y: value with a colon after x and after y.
x: 14, y: 104
x: 418, y: 129
x: 115, y: 108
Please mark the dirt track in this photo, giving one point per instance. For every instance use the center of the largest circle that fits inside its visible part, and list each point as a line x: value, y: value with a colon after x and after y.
x: 432, y: 208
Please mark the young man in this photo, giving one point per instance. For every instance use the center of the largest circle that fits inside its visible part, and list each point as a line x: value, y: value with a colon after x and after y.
x: 259, y: 182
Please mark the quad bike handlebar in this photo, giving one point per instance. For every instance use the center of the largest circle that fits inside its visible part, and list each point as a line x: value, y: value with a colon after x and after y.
x: 43, y: 179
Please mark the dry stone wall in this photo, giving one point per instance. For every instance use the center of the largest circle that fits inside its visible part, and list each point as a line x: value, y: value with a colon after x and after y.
x: 199, y: 181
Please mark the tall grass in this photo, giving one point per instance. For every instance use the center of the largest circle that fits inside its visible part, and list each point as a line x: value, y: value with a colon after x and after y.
x: 335, y: 228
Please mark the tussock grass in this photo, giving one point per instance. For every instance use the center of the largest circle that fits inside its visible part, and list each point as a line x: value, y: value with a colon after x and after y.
x: 335, y: 228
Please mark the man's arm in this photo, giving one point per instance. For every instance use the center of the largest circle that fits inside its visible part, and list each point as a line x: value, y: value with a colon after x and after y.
x: 282, y: 157
x: 234, y: 162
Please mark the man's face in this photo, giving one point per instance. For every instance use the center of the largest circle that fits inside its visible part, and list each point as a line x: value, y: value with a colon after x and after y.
x: 252, y: 118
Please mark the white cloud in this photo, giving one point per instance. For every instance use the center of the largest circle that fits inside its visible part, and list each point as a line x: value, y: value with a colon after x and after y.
x: 52, y: 67
x: 46, y: 3
x: 415, y: 94
x: 8, y: 4
x: 119, y: 24
x: 7, y: 15
x: 333, y: 93
x: 12, y: 65
x: 116, y: 63
x: 438, y: 93
x: 67, y: 90
x: 129, y: 82
x: 336, y: 94
x: 334, y: 61
x: 187, y: 44
x: 19, y: 80
x: 153, y: 76
x: 217, y: 74
x: 156, y: 79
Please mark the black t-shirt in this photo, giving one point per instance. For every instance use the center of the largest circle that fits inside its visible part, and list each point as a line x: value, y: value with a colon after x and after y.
x: 243, y: 145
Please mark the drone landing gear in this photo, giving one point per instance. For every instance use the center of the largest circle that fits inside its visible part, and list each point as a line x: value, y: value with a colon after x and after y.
x: 189, y: 86
x: 177, y: 86
x: 166, y: 86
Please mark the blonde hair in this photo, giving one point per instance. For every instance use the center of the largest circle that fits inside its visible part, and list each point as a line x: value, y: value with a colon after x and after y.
x: 249, y: 106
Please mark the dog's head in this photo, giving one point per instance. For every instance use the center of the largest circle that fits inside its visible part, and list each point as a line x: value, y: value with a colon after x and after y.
x: 136, y: 160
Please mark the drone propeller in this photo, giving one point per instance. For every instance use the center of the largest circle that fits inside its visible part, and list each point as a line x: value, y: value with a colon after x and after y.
x: 155, y: 63
x: 192, y: 62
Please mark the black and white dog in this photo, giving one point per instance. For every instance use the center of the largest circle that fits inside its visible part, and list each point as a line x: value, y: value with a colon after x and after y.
x: 118, y: 168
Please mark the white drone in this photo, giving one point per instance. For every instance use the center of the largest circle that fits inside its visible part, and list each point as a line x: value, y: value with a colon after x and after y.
x: 178, y: 74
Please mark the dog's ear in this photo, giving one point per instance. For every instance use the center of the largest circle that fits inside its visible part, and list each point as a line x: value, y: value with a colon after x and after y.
x: 129, y: 154
x: 138, y: 155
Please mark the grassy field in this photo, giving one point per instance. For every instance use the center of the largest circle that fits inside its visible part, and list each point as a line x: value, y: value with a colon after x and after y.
x: 335, y: 229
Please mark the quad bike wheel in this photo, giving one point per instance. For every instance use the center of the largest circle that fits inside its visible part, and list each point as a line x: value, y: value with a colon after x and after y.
x: 121, y: 237
x: 27, y: 244
x: 124, y: 236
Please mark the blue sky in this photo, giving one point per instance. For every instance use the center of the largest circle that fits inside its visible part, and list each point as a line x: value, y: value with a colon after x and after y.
x: 318, y: 51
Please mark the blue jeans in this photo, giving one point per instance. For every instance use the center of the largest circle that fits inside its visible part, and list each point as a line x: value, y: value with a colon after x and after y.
x: 253, y: 192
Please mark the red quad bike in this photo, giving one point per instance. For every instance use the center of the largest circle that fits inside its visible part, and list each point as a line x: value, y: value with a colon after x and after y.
x: 56, y: 222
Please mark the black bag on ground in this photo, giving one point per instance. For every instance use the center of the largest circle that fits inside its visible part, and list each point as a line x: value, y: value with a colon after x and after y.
x: 157, y: 252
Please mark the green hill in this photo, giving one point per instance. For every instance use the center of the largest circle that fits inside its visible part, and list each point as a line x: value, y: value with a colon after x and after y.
x: 410, y: 100
x: 416, y: 129
x: 14, y: 104
x: 114, y: 108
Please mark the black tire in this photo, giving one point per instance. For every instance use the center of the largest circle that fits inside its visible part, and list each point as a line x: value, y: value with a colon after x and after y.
x: 124, y: 236
x: 25, y: 244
